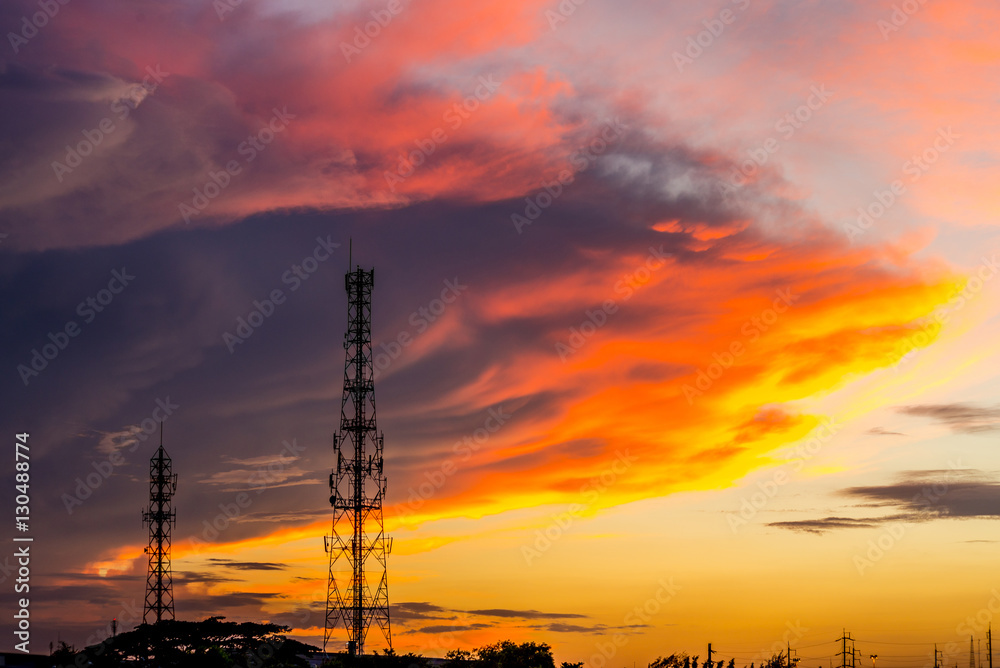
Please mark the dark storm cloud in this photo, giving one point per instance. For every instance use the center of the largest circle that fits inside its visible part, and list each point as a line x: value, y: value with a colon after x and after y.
x: 161, y: 339
x: 424, y: 610
x: 525, y: 614
x: 418, y: 610
x: 573, y: 628
x: 959, y: 417
x: 954, y: 494
x: 190, y: 577
x: 825, y: 524
x: 441, y: 628
x: 215, y: 604
x: 249, y: 565
x: 918, y: 496
x: 286, y: 516
x: 881, y: 431
x: 98, y: 595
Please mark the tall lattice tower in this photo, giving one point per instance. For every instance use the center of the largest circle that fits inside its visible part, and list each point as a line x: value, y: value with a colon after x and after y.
x: 160, y: 518
x: 358, y: 588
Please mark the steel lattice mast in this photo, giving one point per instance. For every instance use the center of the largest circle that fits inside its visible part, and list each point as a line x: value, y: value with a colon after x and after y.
x: 160, y: 518
x: 359, y: 545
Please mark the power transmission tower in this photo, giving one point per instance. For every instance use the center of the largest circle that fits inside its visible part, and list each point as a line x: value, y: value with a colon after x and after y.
x: 844, y: 653
x: 972, y: 653
x: 160, y: 518
x: 359, y: 545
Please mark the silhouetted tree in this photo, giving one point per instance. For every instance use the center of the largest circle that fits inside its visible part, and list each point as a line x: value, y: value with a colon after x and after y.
x: 458, y: 658
x: 506, y: 654
x: 64, y: 654
x: 212, y: 643
x: 776, y: 661
x: 672, y: 661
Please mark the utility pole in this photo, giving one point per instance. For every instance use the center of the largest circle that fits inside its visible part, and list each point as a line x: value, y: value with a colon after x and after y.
x: 989, y: 644
x: 788, y: 658
x: 936, y: 664
x: 708, y: 661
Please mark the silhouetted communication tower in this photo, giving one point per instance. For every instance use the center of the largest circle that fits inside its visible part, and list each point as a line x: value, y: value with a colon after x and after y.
x: 160, y: 518
x: 358, y: 588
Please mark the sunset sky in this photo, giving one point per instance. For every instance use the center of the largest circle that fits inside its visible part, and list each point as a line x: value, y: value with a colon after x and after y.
x: 685, y: 315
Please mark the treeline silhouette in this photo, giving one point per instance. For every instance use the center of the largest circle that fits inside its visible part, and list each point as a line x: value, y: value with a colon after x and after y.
x: 215, y: 643
x: 212, y: 643
x: 684, y: 661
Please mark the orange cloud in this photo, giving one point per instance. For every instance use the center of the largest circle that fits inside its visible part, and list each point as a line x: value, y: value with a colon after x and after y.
x: 677, y: 389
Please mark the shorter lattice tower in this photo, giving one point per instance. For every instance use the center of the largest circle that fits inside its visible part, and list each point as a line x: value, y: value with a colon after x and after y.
x: 160, y: 518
